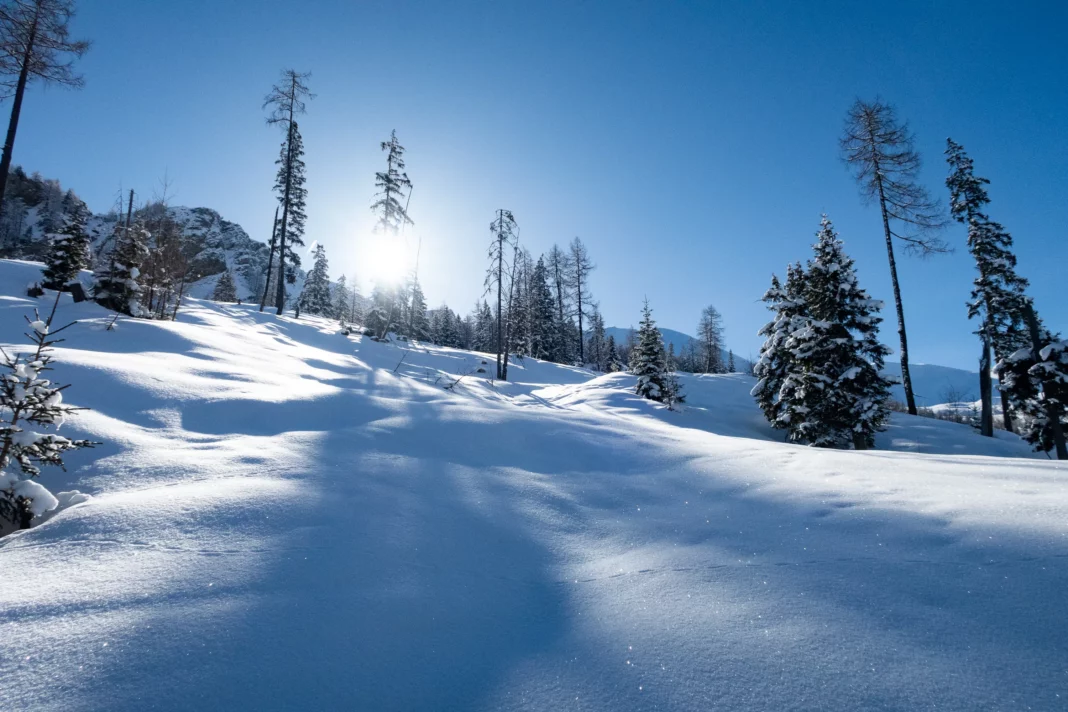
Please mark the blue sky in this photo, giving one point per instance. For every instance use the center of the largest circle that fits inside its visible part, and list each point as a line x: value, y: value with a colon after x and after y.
x: 692, y: 146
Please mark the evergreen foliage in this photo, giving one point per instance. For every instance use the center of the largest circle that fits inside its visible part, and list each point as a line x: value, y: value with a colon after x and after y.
x: 655, y: 381
x: 68, y: 251
x: 316, y: 298
x: 118, y: 286
x: 225, y: 289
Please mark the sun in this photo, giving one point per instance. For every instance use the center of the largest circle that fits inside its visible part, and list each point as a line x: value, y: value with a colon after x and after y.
x: 388, y: 260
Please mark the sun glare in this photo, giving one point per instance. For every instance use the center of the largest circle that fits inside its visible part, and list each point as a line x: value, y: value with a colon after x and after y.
x: 388, y: 261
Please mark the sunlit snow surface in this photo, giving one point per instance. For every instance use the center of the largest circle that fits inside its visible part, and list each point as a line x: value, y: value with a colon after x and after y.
x: 287, y: 518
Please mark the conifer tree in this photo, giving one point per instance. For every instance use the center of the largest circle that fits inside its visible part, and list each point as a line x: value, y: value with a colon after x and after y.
x: 1036, y: 379
x: 558, y: 265
x: 648, y: 359
x: 225, y: 289
x: 68, y: 251
x: 730, y: 362
x: 504, y: 229
x: 776, y: 362
x: 118, y: 286
x: 286, y: 101
x: 418, y: 323
x: 341, y: 299
x: 998, y: 298
x: 393, y: 187
x: 29, y: 401
x: 710, y: 336
x: 612, y: 363
x: 880, y: 152
x: 580, y: 266
x: 316, y: 297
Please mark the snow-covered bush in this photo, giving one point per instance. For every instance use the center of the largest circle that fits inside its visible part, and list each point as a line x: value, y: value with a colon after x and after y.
x: 29, y: 404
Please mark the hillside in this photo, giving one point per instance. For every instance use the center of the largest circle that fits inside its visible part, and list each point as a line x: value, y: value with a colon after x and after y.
x: 283, y: 517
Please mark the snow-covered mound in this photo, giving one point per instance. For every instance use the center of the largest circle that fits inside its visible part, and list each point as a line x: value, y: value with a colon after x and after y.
x: 285, y: 518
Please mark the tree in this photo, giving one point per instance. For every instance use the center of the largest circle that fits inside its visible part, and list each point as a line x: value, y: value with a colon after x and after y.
x: 225, y: 289
x: 730, y: 362
x: 649, y: 362
x: 612, y: 361
x: 393, y: 185
x: 341, y: 299
x: 820, y: 366
x: 710, y: 335
x: 1036, y: 378
x: 28, y: 400
x: 580, y: 266
x: 596, y: 348
x: 118, y: 287
x: 268, y: 278
x: 776, y: 363
x: 998, y: 297
x: 35, y: 43
x: 880, y: 152
x: 418, y: 324
x: 285, y: 102
x: 558, y: 264
x: 504, y: 229
x: 68, y: 251
x: 316, y: 297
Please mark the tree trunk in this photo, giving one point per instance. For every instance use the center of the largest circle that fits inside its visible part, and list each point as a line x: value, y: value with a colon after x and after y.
x: 16, y: 108
x: 986, y: 392
x: 906, y: 379
x: 280, y: 293
x: 270, y: 260
x: 1051, y: 410
x: 1006, y: 413
x: 500, y: 285
x: 582, y: 345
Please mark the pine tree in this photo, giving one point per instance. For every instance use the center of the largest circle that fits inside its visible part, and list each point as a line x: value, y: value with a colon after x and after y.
x: 612, y: 362
x: 730, y: 362
x: 649, y: 365
x: 998, y: 297
x: 28, y: 400
x: 316, y: 298
x: 418, y: 323
x: 833, y: 394
x: 776, y: 362
x: 341, y: 300
x: 286, y: 101
x: 118, y: 287
x: 393, y: 184
x: 880, y: 151
x: 225, y: 289
x: 68, y: 251
x: 672, y: 388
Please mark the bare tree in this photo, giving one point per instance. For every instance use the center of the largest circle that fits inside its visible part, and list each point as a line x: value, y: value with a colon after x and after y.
x: 35, y: 43
x: 880, y: 152
x: 710, y: 336
x: 504, y: 235
x: 287, y: 100
x: 578, y: 277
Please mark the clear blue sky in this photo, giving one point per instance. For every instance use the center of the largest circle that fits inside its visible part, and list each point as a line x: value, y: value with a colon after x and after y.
x: 692, y: 146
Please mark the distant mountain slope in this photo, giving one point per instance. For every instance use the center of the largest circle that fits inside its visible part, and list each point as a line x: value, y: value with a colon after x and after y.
x: 681, y: 342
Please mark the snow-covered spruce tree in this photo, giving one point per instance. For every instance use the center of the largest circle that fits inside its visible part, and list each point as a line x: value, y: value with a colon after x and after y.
x: 28, y: 402
x: 612, y: 362
x: 316, y: 297
x: 68, y: 250
x: 837, y: 386
x: 225, y: 289
x: 648, y: 360
x: 118, y: 285
x: 1036, y: 379
x: 998, y: 297
x: 776, y: 362
x: 730, y: 362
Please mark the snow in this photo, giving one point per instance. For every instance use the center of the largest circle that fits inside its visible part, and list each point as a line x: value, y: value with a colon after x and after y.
x: 283, y: 517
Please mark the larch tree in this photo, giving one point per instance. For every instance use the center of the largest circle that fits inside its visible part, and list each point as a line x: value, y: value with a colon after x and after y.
x: 35, y: 44
x: 880, y: 151
x: 710, y: 336
x: 501, y: 259
x: 580, y: 265
x: 287, y: 100
x: 558, y: 263
x: 998, y: 296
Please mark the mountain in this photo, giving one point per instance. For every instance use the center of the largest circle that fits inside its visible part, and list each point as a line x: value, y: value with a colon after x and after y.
x: 34, y: 206
x: 935, y: 384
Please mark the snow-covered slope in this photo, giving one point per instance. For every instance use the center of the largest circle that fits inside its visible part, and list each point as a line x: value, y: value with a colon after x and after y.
x: 286, y: 518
